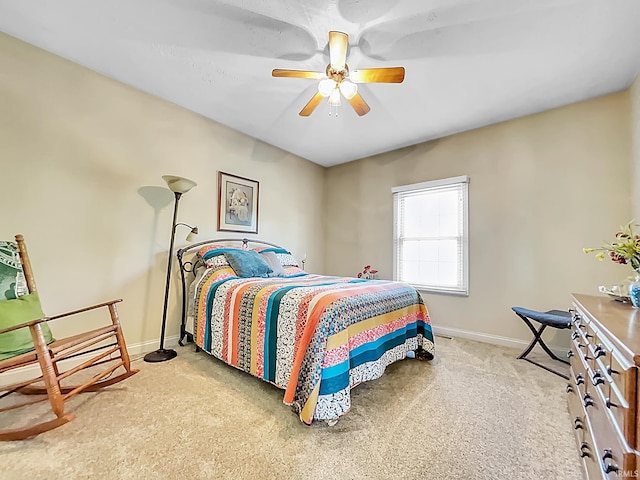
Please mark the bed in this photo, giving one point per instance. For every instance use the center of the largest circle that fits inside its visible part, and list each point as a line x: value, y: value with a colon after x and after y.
x: 314, y: 336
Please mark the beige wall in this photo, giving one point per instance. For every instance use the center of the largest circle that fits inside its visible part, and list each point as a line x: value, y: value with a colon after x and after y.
x: 542, y: 188
x: 635, y: 145
x: 82, y: 158
x: 81, y: 162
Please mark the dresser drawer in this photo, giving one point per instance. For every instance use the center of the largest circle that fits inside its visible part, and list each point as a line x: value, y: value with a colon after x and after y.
x: 580, y: 427
x: 603, y: 357
x: 620, y: 395
x: 578, y: 358
x: 610, y: 450
x: 623, y: 374
x: 608, y: 374
x: 588, y: 452
x: 621, y: 415
x: 602, y: 390
x: 574, y: 405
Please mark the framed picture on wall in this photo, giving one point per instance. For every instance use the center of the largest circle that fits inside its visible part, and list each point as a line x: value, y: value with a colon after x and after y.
x: 237, y: 203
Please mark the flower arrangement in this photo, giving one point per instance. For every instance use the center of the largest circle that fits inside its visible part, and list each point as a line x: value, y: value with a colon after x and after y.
x: 625, y: 250
x: 367, y: 272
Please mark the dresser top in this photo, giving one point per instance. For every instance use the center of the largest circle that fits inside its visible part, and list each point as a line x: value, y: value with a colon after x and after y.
x: 620, y: 320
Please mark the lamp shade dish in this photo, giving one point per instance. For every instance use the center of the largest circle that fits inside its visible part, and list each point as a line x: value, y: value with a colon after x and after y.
x: 179, y: 184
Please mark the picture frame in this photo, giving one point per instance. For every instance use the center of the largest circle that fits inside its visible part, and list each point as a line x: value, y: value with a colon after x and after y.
x: 238, y: 200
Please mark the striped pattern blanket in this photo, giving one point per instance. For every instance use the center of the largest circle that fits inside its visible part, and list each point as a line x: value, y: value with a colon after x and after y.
x: 313, y: 336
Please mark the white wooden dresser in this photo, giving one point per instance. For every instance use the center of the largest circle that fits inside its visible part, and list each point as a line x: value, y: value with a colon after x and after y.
x: 603, y: 386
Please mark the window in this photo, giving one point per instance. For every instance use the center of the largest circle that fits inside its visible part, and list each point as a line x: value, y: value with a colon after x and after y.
x: 431, y: 235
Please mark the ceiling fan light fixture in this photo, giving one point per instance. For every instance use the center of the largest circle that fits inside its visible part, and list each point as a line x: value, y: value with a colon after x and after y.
x: 326, y: 87
x: 348, y: 89
x: 334, y: 98
x: 339, y: 81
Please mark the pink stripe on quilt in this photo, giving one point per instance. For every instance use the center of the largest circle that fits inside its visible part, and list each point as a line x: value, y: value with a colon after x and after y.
x: 340, y: 354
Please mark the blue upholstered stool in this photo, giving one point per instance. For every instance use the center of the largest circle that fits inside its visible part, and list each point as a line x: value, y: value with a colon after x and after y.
x: 552, y: 318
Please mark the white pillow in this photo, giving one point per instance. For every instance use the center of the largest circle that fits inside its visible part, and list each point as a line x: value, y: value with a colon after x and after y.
x: 273, y: 262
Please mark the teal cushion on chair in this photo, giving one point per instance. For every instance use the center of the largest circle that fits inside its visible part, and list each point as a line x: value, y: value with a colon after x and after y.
x: 247, y: 263
x: 14, y: 312
x: 12, y: 281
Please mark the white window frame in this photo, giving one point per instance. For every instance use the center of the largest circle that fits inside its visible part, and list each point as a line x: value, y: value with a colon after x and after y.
x: 397, y: 192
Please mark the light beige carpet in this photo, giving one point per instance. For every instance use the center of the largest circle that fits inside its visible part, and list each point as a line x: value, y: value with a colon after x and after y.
x: 474, y: 412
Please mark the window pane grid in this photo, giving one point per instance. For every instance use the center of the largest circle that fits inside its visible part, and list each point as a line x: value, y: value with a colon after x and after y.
x: 431, y: 236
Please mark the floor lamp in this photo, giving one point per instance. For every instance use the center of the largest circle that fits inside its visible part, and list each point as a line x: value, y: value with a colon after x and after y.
x: 178, y: 186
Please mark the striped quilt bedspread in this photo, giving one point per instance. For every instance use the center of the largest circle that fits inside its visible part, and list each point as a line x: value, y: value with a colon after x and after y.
x: 314, y: 336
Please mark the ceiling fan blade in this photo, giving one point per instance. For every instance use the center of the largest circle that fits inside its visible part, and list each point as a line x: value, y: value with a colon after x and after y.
x: 311, y: 105
x: 358, y: 104
x: 281, y: 72
x: 338, y: 42
x: 379, y: 75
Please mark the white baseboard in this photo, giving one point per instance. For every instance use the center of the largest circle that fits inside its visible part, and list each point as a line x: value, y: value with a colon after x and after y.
x: 561, y: 352
x: 135, y: 349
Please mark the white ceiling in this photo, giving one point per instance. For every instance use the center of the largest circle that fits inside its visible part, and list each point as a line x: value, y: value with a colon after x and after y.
x: 469, y: 63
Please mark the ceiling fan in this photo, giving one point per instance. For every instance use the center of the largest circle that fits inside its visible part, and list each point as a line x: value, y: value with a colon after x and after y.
x: 338, y: 81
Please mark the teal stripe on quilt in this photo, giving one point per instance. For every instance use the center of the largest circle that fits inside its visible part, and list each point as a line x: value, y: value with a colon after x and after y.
x: 271, y: 332
x: 336, y: 377
x: 426, y: 330
x: 357, y: 353
x: 341, y: 381
x: 210, y: 297
x: 270, y: 327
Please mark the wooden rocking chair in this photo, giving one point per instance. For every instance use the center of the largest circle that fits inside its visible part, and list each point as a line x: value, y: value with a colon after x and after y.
x: 104, y: 347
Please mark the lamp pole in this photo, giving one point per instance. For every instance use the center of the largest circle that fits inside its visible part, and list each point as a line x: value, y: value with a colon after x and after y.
x: 179, y: 186
x: 162, y: 354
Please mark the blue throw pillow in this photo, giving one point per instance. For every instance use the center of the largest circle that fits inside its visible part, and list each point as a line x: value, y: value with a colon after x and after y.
x: 247, y: 263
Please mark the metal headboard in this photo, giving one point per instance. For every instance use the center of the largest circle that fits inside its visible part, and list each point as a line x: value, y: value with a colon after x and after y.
x: 188, y: 266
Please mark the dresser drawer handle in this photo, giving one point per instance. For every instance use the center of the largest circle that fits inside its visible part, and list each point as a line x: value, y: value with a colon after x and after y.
x: 609, y: 467
x: 579, y: 379
x: 611, y: 371
x: 610, y: 404
x: 584, y: 450
x: 599, y: 351
x: 575, y: 335
x: 570, y: 354
x: 597, y: 378
x: 577, y: 424
x: 569, y: 388
x: 588, y: 401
